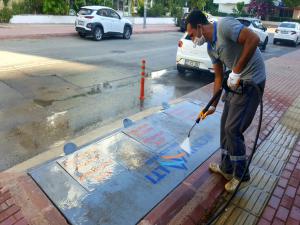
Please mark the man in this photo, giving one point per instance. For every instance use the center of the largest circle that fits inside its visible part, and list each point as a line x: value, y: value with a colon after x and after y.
x: 231, y: 44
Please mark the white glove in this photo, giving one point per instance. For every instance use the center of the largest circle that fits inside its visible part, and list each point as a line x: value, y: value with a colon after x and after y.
x: 210, y: 111
x: 233, y: 80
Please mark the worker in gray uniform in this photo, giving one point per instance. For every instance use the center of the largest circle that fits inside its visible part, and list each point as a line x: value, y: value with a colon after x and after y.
x: 234, y: 46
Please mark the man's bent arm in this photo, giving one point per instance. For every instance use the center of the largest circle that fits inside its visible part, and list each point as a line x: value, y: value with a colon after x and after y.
x: 250, y: 41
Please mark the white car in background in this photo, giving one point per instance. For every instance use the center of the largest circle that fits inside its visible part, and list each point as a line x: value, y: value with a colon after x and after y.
x: 289, y: 32
x: 257, y: 27
x: 192, y: 57
x: 99, y: 21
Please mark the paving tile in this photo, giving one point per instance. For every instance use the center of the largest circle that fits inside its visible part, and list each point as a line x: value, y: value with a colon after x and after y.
x: 274, y: 202
x: 278, y: 192
x: 286, y: 174
x: 252, y: 200
x: 296, y: 174
x: 287, y: 201
x: 290, y: 166
x: 291, y: 221
x: 297, y: 201
x: 282, y: 213
x: 277, y: 222
x: 290, y: 191
x: 283, y: 182
x: 224, y: 217
x: 262, y: 221
x: 294, y: 182
x: 295, y: 213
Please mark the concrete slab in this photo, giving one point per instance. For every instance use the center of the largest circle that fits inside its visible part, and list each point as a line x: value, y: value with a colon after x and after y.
x: 8, y: 95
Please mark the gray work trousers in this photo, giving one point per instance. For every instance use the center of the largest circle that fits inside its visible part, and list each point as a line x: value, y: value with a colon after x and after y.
x: 239, y: 111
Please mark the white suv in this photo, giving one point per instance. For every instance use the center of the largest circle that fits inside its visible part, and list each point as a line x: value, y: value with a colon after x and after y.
x: 257, y: 27
x: 98, y: 21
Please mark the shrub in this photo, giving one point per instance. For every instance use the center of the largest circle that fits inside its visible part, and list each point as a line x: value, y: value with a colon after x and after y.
x: 56, y: 7
x: 5, y: 15
x: 157, y: 10
x: 28, y: 7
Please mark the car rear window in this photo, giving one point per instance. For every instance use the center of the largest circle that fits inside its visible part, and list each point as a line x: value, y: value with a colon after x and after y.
x: 288, y: 25
x: 85, y: 12
x: 244, y: 22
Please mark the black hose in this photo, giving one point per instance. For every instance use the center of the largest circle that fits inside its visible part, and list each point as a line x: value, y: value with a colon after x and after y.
x: 220, y: 211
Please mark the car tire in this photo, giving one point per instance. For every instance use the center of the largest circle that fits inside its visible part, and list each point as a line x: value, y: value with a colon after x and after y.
x: 82, y: 35
x: 295, y: 43
x: 98, y: 33
x: 274, y: 42
x: 180, y: 69
x: 127, y: 32
x: 264, y: 46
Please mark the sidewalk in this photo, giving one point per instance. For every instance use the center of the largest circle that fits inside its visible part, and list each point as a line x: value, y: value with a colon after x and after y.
x: 17, y: 31
x: 272, y: 197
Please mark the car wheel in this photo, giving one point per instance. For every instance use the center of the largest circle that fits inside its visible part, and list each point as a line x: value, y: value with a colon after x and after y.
x: 264, y: 46
x: 127, y: 32
x: 82, y: 34
x: 180, y: 69
x: 98, y: 33
x: 274, y: 42
x: 295, y: 43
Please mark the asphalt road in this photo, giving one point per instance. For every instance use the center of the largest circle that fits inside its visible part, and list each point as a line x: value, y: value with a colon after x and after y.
x: 54, y: 89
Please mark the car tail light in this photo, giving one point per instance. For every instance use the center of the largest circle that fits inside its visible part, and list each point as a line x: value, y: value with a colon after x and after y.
x: 293, y: 32
x: 276, y: 31
x: 180, y: 44
x: 89, y: 17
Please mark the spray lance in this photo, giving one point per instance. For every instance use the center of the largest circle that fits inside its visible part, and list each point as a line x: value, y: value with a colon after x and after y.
x: 186, y: 146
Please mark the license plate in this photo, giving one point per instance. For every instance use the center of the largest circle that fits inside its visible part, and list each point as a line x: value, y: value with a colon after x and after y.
x: 192, y: 63
x: 81, y: 23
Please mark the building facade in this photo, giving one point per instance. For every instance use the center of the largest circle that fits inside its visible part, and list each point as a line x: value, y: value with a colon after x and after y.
x: 227, y: 6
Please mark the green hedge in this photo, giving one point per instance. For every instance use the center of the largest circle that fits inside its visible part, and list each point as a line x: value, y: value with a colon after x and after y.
x: 5, y: 15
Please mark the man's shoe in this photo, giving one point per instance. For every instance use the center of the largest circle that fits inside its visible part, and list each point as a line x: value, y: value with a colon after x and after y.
x: 214, y: 167
x: 233, y: 183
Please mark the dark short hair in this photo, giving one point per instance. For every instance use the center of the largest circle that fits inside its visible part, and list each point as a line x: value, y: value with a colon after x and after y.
x: 196, y: 17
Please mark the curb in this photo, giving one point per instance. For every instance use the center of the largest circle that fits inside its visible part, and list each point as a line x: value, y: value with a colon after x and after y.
x: 40, y: 36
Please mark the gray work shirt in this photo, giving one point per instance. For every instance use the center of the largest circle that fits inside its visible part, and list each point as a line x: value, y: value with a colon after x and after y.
x: 225, y: 49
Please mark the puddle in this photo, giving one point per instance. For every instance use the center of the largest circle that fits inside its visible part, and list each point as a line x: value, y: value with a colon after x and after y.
x: 38, y: 135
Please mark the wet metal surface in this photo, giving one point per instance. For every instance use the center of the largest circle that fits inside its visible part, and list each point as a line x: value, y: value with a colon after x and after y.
x: 110, y: 181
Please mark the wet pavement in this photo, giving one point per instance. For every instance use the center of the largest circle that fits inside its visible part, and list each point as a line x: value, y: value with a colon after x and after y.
x: 55, y: 89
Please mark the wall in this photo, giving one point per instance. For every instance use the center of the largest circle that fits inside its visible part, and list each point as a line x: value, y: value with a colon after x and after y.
x: 226, y: 8
x: 71, y: 19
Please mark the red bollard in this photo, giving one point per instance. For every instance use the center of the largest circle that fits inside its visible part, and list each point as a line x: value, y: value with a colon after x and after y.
x: 142, y: 89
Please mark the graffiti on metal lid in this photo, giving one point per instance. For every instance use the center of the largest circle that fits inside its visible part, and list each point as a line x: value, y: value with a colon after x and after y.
x: 173, y: 158
x: 149, y: 135
x: 89, y: 167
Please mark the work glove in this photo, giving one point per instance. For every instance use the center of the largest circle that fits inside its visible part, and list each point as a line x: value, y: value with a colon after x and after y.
x: 202, y: 115
x: 233, y: 80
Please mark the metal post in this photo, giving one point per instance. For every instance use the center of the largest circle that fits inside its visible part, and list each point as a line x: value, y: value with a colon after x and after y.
x: 145, y: 12
x: 142, y: 89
